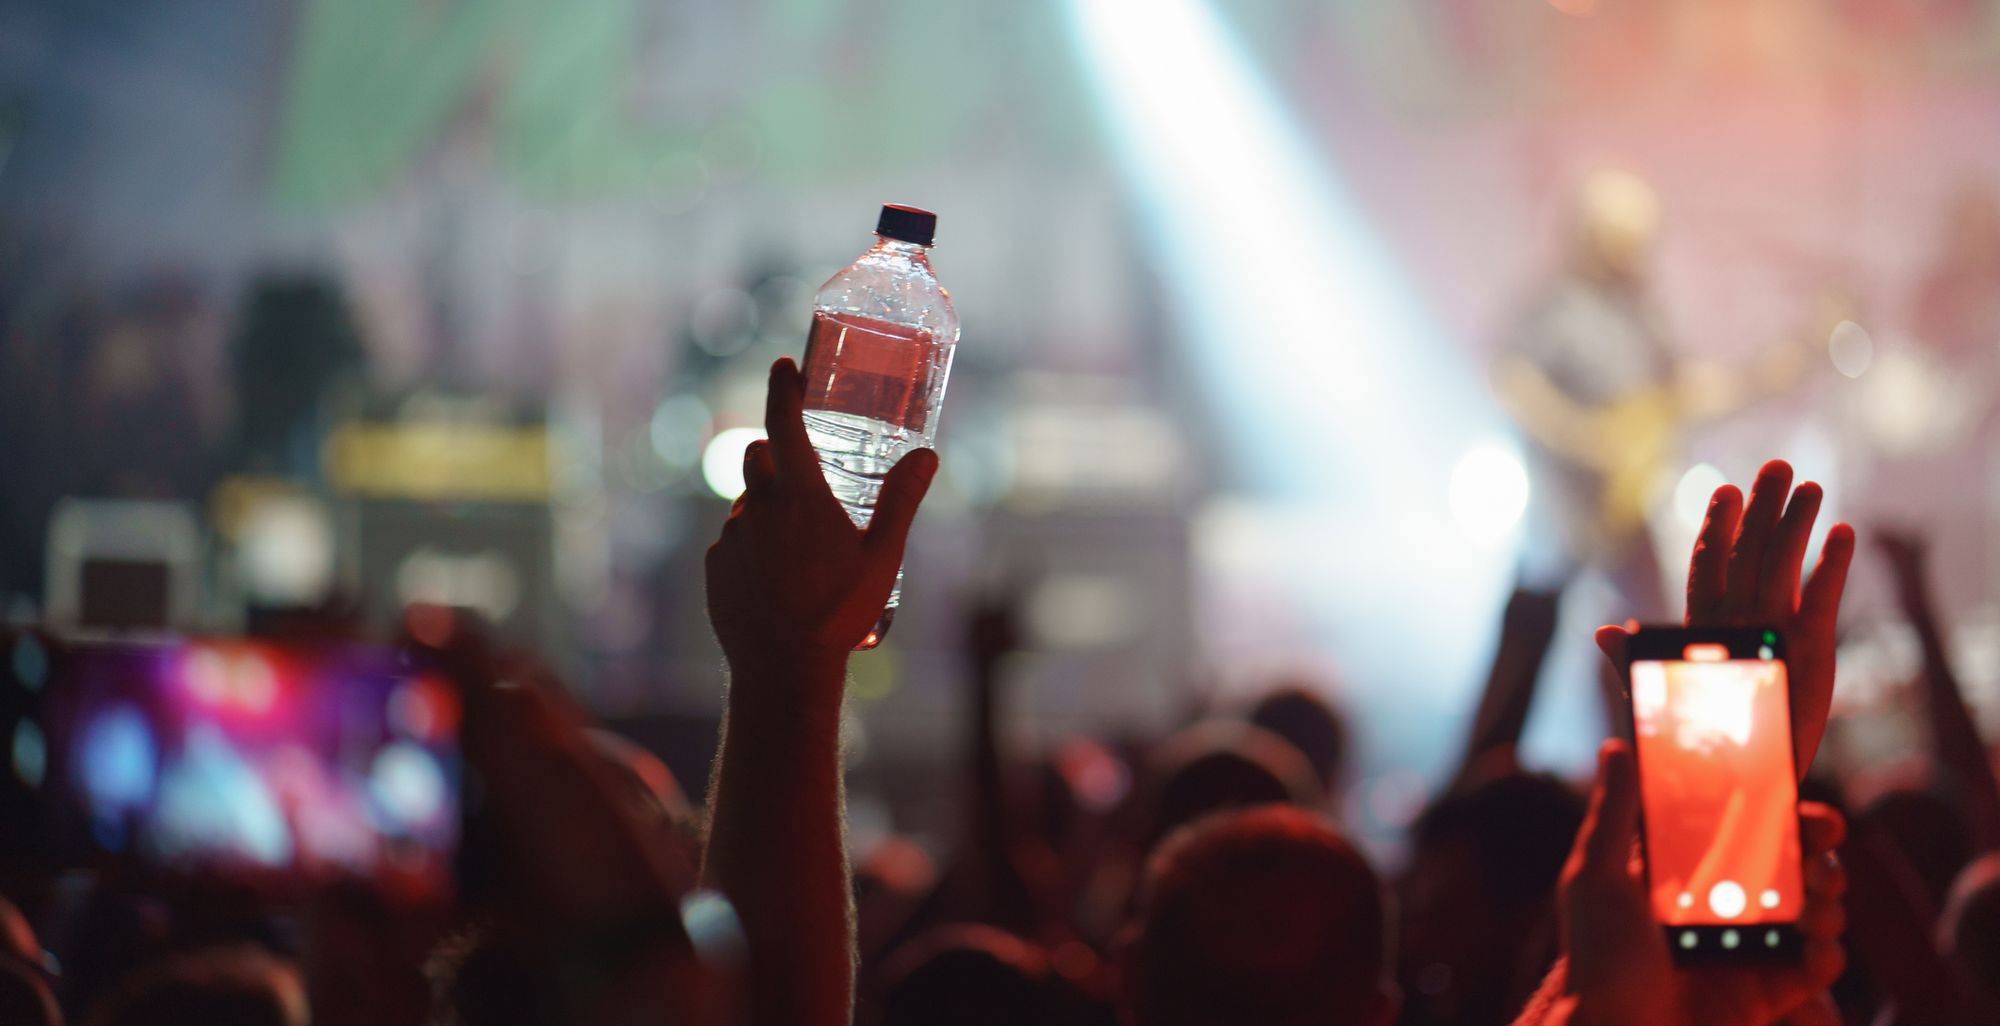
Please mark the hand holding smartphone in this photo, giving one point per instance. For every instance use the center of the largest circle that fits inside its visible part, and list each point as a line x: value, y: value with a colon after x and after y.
x: 1711, y: 717
x: 1720, y: 724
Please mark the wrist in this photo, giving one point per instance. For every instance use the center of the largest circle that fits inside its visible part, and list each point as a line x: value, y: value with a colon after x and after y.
x: 790, y: 659
x: 804, y: 680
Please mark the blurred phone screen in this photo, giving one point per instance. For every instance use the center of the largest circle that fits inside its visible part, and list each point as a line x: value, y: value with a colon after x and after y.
x: 1718, y: 788
x: 281, y: 764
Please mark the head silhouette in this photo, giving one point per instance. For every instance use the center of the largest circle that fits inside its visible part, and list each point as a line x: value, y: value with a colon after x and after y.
x: 231, y: 986
x: 1969, y: 931
x: 1484, y: 863
x: 1259, y: 917
x: 1313, y: 726
x: 969, y: 974
x: 1223, y: 764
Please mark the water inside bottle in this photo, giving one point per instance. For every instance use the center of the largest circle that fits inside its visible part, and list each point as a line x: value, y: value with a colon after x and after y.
x: 870, y: 389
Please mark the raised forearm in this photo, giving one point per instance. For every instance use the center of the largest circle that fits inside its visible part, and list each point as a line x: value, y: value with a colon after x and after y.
x: 776, y: 846
x: 1959, y: 749
x: 1526, y: 631
x: 1889, y: 926
x: 988, y: 832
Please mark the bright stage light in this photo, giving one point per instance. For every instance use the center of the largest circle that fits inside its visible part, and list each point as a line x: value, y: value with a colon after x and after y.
x: 407, y: 783
x: 1300, y: 325
x: 1691, y: 495
x: 722, y: 461
x: 286, y: 549
x: 1489, y: 491
x: 1850, y: 348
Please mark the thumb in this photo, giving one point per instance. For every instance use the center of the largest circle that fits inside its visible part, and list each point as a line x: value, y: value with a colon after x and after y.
x: 1612, y: 641
x: 1604, y: 842
x: 902, y: 491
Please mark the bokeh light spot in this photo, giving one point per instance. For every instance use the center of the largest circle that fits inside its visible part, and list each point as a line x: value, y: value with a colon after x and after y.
x: 1850, y: 348
x: 31, y: 753
x: 117, y: 754
x: 722, y: 461
x: 1692, y: 493
x: 408, y: 784
x: 31, y: 663
x: 206, y: 673
x: 1489, y: 491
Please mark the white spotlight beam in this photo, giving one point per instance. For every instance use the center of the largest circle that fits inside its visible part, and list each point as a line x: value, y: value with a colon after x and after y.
x: 1334, y: 387
x: 1297, y: 309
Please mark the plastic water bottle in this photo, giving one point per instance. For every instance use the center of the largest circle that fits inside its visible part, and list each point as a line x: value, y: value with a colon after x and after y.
x: 883, y: 332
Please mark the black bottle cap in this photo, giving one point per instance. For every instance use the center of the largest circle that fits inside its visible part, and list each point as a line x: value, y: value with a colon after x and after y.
x: 907, y: 224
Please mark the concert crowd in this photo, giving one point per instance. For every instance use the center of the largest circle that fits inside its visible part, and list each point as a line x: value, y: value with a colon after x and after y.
x: 1220, y: 887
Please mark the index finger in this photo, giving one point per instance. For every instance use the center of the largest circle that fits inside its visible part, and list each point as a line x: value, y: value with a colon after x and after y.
x: 784, y: 423
x: 1708, y: 568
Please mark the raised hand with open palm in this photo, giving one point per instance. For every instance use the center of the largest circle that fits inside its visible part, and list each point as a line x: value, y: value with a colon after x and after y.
x: 1745, y: 571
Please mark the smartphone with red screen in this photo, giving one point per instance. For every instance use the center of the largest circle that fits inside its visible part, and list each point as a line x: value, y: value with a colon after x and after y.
x: 1718, y: 784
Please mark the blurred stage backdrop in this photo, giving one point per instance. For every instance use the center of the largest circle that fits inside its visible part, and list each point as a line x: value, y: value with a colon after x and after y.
x: 334, y: 305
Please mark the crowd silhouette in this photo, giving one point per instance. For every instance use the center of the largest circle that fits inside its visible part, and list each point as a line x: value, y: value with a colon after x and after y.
x: 1202, y: 879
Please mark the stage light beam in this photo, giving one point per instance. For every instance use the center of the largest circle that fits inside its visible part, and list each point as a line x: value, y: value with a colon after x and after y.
x: 1300, y: 326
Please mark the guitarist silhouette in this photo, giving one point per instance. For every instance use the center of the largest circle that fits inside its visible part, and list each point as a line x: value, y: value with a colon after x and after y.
x: 1590, y: 379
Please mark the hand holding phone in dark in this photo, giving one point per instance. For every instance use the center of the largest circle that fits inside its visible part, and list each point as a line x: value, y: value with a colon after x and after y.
x: 1728, y: 712
x: 1745, y: 571
x: 1618, y: 965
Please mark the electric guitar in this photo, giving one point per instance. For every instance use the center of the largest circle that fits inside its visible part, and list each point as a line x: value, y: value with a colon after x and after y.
x: 1626, y: 447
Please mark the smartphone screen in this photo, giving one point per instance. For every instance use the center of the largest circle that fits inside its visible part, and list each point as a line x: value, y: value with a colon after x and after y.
x: 1712, y: 719
x: 279, y: 765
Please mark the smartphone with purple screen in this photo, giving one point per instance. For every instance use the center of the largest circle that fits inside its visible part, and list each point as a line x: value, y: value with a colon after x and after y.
x: 284, y: 766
